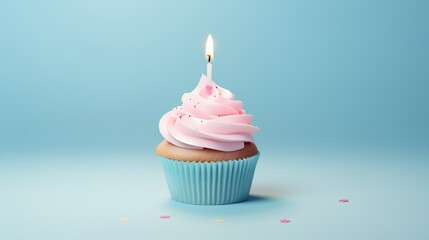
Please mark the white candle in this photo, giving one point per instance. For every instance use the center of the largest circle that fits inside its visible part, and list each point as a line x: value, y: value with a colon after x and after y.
x: 209, y: 72
x: 209, y: 55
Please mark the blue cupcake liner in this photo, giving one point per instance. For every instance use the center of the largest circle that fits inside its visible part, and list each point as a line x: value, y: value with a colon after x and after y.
x: 210, y: 183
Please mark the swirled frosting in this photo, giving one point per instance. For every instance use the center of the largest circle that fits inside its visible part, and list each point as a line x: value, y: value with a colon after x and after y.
x: 209, y: 117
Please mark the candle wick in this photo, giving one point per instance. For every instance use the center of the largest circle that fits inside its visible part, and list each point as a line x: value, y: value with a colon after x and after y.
x: 209, y: 58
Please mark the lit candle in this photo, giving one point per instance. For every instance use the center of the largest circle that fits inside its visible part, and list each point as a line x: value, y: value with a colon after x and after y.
x: 209, y: 55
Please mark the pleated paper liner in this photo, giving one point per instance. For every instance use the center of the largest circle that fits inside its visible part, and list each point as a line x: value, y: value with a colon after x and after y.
x: 210, y: 183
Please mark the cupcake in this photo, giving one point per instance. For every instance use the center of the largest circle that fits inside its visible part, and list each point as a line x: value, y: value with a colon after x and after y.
x: 208, y: 155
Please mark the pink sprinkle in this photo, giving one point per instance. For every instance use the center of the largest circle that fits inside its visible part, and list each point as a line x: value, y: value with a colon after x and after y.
x: 209, y: 89
x: 165, y: 217
x: 343, y: 200
x: 284, y: 221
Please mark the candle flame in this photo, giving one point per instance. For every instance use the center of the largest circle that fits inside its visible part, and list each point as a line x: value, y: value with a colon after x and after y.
x: 209, y: 48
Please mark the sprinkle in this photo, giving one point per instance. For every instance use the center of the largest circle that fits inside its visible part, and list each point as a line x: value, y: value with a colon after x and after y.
x: 344, y: 200
x: 284, y: 221
x: 218, y: 115
x: 198, y: 102
x: 214, y: 95
x: 195, y: 105
x: 219, y: 220
x: 201, y: 120
x: 189, y: 115
x: 165, y: 217
x: 190, y: 99
x: 124, y: 219
x: 230, y: 98
x: 216, y: 86
x: 209, y: 89
x: 196, y: 129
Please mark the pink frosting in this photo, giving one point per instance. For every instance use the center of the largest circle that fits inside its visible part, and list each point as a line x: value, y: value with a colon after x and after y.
x: 209, y: 117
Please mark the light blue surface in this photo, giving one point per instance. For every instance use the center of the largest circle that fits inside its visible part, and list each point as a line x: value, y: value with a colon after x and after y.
x: 83, y: 196
x: 210, y: 183
x: 339, y: 89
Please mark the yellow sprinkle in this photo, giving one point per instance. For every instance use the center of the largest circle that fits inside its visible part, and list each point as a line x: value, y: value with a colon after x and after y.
x: 124, y: 219
x: 219, y: 220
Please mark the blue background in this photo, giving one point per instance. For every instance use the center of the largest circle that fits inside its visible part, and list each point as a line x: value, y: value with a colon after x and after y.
x: 342, y: 85
x: 99, y: 74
